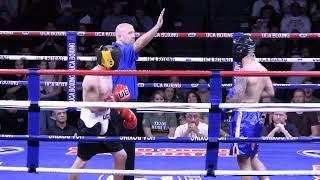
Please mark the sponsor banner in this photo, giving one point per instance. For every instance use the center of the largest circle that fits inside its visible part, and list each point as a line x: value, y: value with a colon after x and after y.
x: 219, y: 35
x: 72, y: 65
x: 183, y: 152
x: 52, y: 33
x: 170, y: 59
x: 11, y: 83
x: 108, y: 34
x: 167, y: 34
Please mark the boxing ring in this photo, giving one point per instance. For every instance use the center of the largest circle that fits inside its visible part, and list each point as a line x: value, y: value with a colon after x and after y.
x: 168, y: 157
x: 176, y: 157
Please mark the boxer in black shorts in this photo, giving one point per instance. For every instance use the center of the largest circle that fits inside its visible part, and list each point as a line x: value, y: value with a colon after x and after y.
x: 86, y: 150
x: 99, y: 121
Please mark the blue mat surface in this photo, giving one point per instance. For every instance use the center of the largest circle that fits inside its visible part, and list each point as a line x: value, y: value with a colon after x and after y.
x: 162, y: 156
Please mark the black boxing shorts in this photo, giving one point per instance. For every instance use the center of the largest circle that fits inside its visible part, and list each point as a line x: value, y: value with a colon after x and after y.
x: 86, y: 150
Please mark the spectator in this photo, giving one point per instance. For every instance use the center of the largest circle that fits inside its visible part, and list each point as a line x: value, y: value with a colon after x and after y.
x: 193, y: 97
x: 315, y: 10
x: 276, y: 45
x: 170, y: 95
x: 51, y: 93
x: 286, y: 5
x: 279, y: 127
x: 63, y: 4
x: 117, y: 16
x: 13, y: 121
x: 181, y: 92
x: 309, y: 94
x: 7, y: 22
x: 299, y: 66
x: 60, y: 127
x: 193, y: 127
x: 45, y: 120
x: 85, y: 44
x: 10, y: 6
x: 20, y: 92
x: 67, y: 20
x: 259, y: 4
x: 144, y: 23
x: 159, y: 124
x: 306, y: 122
x: 269, y: 15
x: 203, y: 93
x: 50, y: 46
x: 295, y: 21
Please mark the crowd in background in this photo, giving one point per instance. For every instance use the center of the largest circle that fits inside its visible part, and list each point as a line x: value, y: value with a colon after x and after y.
x: 273, y: 16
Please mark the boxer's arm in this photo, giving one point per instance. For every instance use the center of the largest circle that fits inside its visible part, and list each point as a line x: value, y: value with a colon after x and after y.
x: 268, y: 90
x: 240, y: 87
x: 143, y: 40
x: 90, y: 92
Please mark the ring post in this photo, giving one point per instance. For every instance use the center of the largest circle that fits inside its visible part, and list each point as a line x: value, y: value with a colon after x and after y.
x: 33, y: 120
x: 214, y: 123
x: 72, y: 65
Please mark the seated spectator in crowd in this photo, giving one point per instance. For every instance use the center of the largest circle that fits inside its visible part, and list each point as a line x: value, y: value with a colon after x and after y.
x: 159, y: 124
x: 203, y: 93
x: 299, y: 66
x: 296, y: 21
x: 269, y: 15
x: 280, y: 127
x: 193, y: 97
x: 117, y: 16
x: 67, y: 19
x: 310, y: 98
x: 13, y: 121
x: 193, y: 127
x: 7, y: 21
x: 309, y: 94
x: 51, y: 93
x: 277, y: 46
x: 181, y: 92
x: 85, y: 44
x: 259, y: 4
x: 306, y: 122
x: 19, y: 92
x: 144, y: 22
x: 314, y: 11
x: 286, y: 4
x: 170, y: 95
x: 51, y: 45
x: 60, y: 127
x: 63, y: 4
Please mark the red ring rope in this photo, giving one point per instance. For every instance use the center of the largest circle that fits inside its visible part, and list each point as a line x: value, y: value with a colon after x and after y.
x: 165, y: 73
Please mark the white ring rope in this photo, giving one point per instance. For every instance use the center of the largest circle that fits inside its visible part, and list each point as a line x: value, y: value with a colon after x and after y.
x: 166, y: 172
x: 65, y: 104
x: 169, y: 59
x: 267, y: 173
x: 169, y: 107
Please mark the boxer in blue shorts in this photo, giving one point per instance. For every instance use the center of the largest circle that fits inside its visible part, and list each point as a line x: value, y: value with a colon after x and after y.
x: 248, y: 90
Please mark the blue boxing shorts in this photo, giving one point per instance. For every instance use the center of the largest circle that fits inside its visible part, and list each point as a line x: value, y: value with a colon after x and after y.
x: 245, y: 124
